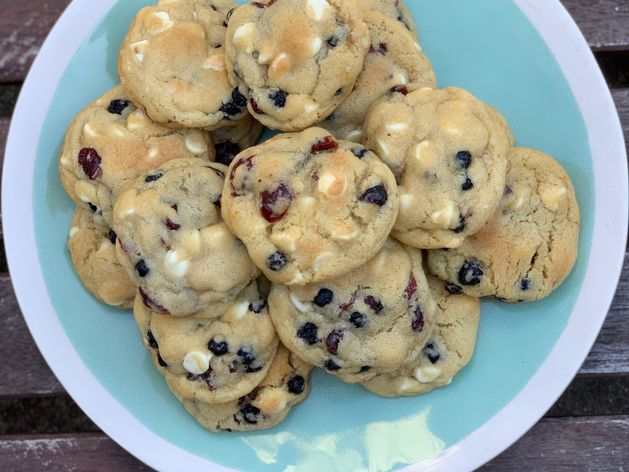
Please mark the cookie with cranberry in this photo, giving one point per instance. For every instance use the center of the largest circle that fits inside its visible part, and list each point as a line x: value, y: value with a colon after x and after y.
x: 394, y: 9
x: 309, y: 207
x: 93, y: 252
x: 529, y: 246
x: 448, y: 151
x: 230, y: 141
x: 394, y: 60
x: 448, y: 351
x: 212, y: 360
x: 174, y: 244
x: 287, y: 383
x: 111, y: 142
x: 295, y: 60
x: 367, y: 322
x: 173, y: 63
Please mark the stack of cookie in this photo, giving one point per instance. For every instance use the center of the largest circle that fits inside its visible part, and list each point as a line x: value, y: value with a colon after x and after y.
x: 358, y: 241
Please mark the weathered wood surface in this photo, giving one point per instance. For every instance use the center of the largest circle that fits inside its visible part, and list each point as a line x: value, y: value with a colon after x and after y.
x: 24, y: 26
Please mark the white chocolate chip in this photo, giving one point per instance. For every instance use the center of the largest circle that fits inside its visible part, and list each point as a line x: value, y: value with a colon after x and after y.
x: 64, y: 161
x: 191, y: 242
x: 214, y: 234
x: 85, y: 191
x: 445, y: 217
x: 138, y: 49
x: 355, y: 135
x: 176, y: 265
x: 311, y: 107
x: 297, y: 303
x: 243, y: 37
x: 400, y: 78
x: 324, y: 256
x: 383, y: 148
x: 423, y: 155
x: 306, y: 202
x: 197, y: 362
x: 396, y: 127
x: 215, y: 62
x: 117, y: 130
x: 164, y: 22
x: 272, y: 400
x: 153, y: 152
x: 88, y: 130
x: 406, y: 200
x: 73, y: 231
x: 316, y: 9
x: 241, y: 310
x: 136, y: 120
x: 418, y: 47
x: 195, y: 143
x: 105, y: 244
x: 315, y: 46
x: 332, y: 185
x: 426, y: 374
x: 407, y: 385
x: 287, y: 240
x: 552, y: 195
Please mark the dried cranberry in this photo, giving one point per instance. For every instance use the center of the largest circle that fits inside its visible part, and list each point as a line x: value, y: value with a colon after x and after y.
x: 411, y: 288
x: 171, y: 225
x: 150, y: 304
x: 399, y: 89
x: 417, y: 324
x: 333, y: 340
x: 275, y: 204
x: 263, y: 5
x: 89, y: 160
x: 255, y: 107
x: 327, y: 143
x: 375, y: 304
x: 380, y: 48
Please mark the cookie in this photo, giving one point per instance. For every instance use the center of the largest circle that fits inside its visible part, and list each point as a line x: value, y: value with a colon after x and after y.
x: 173, y: 243
x: 93, y: 252
x: 394, y: 9
x: 367, y: 322
x: 448, y: 151
x: 529, y: 246
x: 230, y: 141
x: 286, y: 384
x: 212, y: 360
x: 110, y: 143
x: 448, y: 350
x: 173, y: 63
x: 394, y: 59
x: 295, y: 60
x: 309, y: 207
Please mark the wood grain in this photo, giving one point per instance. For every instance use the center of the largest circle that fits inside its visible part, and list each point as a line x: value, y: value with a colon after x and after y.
x: 92, y: 452
x: 24, y: 26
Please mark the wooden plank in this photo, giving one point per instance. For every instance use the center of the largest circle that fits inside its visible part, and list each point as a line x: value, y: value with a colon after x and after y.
x: 92, y: 452
x: 25, y: 24
x: 569, y: 445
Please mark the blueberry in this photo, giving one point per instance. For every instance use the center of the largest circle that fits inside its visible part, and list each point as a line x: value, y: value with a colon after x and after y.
x: 375, y: 304
x: 470, y: 273
x: 219, y: 348
x: 359, y: 152
x: 417, y: 324
x: 467, y: 185
x: 339, y: 92
x: 226, y: 151
x: 308, y: 332
x: 331, y: 365
x: 112, y: 236
x: 235, y: 105
x: 432, y: 353
x: 525, y: 284
x: 324, y: 297
x: 161, y: 361
x: 333, y: 340
x: 142, y: 269
x: 153, y: 177
x: 93, y: 207
x: 332, y: 41
x: 151, y: 339
x: 461, y: 227
x: 277, y: 261
x: 364, y: 369
x: 238, y: 98
x: 375, y: 195
x: 357, y: 319
x: 463, y: 159
x: 380, y: 48
x: 250, y: 413
x: 278, y: 97
x: 247, y: 357
x: 507, y: 191
x: 257, y: 306
x: 453, y: 288
x: 116, y: 107
x: 296, y: 385
x: 89, y: 160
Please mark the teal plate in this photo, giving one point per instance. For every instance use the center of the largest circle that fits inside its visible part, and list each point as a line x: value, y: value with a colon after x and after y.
x: 486, y: 46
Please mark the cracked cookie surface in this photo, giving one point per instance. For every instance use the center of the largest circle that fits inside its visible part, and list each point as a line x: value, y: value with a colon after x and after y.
x: 173, y: 63
x: 448, y: 151
x: 111, y: 142
x: 529, y: 246
x: 174, y: 244
x: 287, y: 383
x: 448, y: 350
x: 295, y: 60
x: 93, y: 252
x: 309, y: 207
x: 366, y: 322
x: 211, y: 360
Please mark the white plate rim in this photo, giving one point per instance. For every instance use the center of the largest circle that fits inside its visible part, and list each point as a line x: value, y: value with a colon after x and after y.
x: 605, y: 262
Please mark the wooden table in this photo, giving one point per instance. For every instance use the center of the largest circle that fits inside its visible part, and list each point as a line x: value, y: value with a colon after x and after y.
x: 42, y: 429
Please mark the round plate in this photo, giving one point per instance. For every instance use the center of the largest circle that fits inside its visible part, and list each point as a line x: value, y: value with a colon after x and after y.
x: 525, y: 57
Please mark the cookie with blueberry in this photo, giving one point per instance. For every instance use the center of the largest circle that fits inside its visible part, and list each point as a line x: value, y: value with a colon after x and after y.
x: 229, y: 141
x: 174, y: 244
x: 529, y: 246
x: 287, y: 383
x: 92, y: 248
x: 394, y: 59
x: 448, y: 351
x: 448, y: 151
x: 212, y: 360
x: 367, y: 322
x: 111, y: 142
x: 295, y: 60
x: 309, y: 207
x: 173, y: 63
